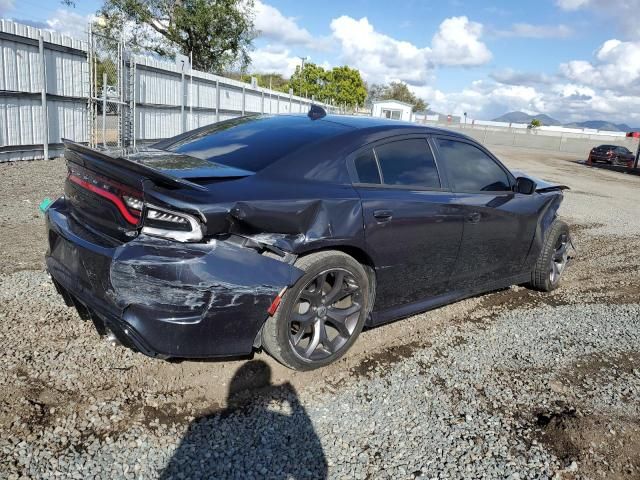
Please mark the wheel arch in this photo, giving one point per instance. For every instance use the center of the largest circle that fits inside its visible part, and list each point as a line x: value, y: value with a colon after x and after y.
x: 362, y: 257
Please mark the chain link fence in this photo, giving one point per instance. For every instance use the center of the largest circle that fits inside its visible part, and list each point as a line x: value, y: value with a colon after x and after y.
x: 106, y: 96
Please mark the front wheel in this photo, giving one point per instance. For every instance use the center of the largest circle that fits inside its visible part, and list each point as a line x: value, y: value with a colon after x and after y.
x: 553, y: 258
x: 321, y: 316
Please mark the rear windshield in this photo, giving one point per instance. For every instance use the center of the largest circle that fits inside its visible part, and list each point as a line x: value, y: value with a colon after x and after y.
x: 251, y: 143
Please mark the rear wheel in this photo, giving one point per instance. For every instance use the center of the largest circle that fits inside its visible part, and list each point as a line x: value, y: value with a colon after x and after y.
x: 553, y: 258
x: 321, y: 316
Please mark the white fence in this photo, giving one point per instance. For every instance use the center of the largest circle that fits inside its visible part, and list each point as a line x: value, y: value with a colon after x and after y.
x: 169, y: 100
x: 561, y: 141
x: 44, y: 84
x: 45, y: 89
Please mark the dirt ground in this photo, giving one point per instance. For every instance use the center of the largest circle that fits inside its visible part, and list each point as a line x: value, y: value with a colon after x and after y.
x: 54, y: 363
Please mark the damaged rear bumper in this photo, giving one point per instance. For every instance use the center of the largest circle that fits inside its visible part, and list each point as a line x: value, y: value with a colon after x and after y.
x: 165, y: 298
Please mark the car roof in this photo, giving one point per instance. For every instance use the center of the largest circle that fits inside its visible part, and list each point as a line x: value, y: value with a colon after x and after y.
x: 379, y: 123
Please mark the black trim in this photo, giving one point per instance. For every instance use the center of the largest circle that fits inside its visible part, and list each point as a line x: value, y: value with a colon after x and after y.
x: 30, y: 148
x: 38, y: 95
x: 386, y: 186
x: 442, y: 176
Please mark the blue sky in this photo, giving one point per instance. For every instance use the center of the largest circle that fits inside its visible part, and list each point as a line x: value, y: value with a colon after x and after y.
x: 572, y: 59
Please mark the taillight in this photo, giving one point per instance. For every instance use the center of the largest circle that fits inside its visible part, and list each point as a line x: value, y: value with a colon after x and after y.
x: 160, y: 222
x: 127, y: 200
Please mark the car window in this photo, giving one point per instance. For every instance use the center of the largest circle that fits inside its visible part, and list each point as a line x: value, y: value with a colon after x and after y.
x: 408, y: 162
x: 367, y: 167
x: 472, y: 170
x: 251, y: 143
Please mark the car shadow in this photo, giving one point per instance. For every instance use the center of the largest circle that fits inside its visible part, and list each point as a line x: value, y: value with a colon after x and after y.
x: 264, y: 432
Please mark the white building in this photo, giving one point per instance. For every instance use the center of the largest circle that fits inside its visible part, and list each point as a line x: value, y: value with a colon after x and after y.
x: 392, y: 109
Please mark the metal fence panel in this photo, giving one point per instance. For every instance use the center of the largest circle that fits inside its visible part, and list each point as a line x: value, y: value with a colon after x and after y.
x: 43, y: 91
x: 169, y: 100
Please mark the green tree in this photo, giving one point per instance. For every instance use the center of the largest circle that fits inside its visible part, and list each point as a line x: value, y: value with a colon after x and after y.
x: 344, y: 86
x: 397, y: 91
x: 310, y: 81
x: 341, y: 85
x: 275, y: 81
x: 535, y: 123
x: 219, y: 33
x: 106, y: 66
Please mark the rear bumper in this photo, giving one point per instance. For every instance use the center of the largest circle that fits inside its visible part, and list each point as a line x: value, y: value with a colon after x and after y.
x: 164, y: 298
x: 600, y: 158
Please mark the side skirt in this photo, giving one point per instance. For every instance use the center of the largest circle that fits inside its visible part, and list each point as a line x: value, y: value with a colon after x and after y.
x: 396, y: 313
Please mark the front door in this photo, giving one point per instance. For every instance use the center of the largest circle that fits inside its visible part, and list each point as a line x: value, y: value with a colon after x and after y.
x: 499, y: 224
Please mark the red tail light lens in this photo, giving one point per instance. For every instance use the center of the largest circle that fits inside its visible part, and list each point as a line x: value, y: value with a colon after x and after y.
x: 127, y: 200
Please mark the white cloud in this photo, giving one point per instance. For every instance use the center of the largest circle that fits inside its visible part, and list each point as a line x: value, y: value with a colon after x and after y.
x: 624, y: 12
x: 565, y: 101
x: 605, y: 87
x: 509, y: 76
x: 382, y: 58
x: 616, y: 67
x: 572, y: 4
x: 70, y: 23
x: 273, y: 58
x: 485, y: 100
x: 457, y: 42
x: 528, y: 30
x: 378, y: 56
x: 278, y: 28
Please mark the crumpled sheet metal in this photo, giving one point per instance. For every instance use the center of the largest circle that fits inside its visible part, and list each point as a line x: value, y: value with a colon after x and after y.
x: 178, y: 296
x: 292, y: 224
x: 189, y: 279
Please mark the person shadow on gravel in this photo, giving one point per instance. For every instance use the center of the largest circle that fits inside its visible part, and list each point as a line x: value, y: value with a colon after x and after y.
x: 264, y: 433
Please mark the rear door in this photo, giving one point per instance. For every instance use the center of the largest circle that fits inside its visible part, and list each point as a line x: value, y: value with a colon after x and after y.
x: 411, y: 227
x: 499, y: 224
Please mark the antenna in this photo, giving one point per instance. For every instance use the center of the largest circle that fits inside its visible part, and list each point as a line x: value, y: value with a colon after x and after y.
x: 316, y: 112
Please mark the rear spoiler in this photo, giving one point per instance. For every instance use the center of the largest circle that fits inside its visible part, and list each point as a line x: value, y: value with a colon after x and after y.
x: 114, y: 159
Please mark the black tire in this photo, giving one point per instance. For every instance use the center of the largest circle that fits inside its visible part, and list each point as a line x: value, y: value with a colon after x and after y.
x: 552, y: 259
x: 282, y: 330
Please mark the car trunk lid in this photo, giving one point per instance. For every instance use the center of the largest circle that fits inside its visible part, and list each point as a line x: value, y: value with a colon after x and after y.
x: 106, y: 189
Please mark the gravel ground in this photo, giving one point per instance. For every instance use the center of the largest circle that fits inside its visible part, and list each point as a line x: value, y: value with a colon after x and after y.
x: 513, y: 384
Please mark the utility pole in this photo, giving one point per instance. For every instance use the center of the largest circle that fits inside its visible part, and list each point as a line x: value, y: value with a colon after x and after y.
x: 301, y: 74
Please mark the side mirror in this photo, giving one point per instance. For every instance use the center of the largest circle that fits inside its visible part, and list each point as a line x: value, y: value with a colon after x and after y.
x: 525, y: 185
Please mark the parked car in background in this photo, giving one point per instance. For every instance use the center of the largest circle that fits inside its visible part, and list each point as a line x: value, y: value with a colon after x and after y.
x: 611, y: 154
x: 291, y: 233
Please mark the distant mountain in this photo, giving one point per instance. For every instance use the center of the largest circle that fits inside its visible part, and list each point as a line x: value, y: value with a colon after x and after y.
x: 603, y: 125
x: 521, y: 117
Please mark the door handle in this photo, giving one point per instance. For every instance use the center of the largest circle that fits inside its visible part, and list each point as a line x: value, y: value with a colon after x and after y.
x: 383, y: 215
x: 474, y: 217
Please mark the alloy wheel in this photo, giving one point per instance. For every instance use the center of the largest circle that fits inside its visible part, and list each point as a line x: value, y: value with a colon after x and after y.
x: 325, y: 315
x: 559, y: 258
